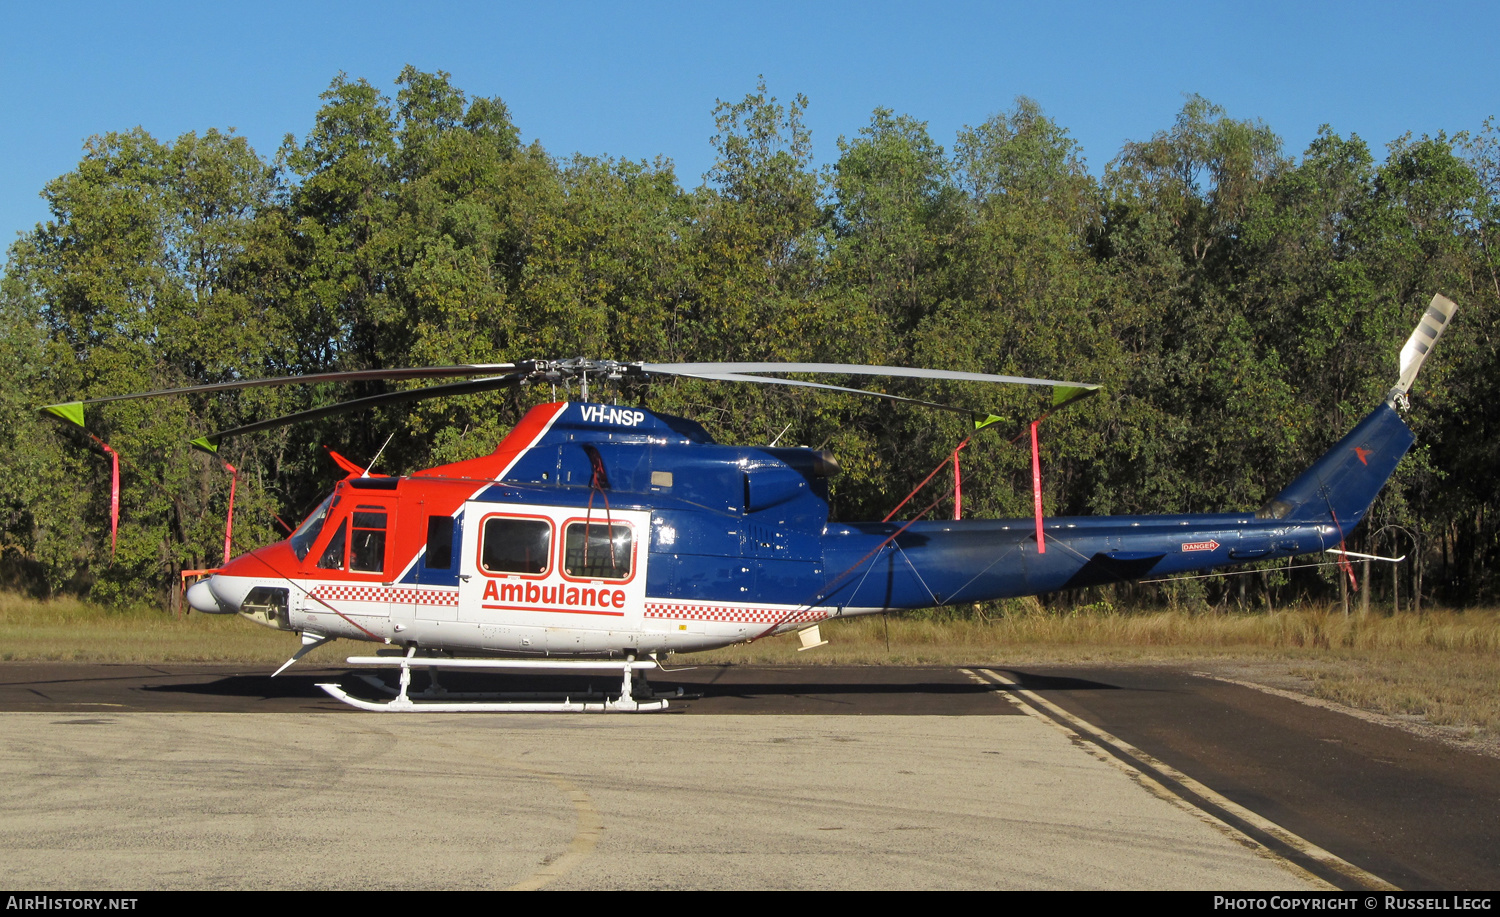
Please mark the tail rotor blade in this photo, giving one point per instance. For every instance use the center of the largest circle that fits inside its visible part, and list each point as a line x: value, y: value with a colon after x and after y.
x: 1434, y: 321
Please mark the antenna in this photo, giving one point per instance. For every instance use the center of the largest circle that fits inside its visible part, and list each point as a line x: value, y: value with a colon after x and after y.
x: 377, y: 455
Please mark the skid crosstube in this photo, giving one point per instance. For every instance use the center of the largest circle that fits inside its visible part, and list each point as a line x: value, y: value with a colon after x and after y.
x: 402, y: 703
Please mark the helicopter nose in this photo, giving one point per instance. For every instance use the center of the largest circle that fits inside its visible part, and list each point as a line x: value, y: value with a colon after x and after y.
x: 201, y: 597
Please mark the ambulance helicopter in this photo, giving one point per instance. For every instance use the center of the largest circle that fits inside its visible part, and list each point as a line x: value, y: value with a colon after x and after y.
x: 600, y: 538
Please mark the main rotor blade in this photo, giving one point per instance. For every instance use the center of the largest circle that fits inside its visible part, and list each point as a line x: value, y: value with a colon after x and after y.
x: 210, y: 443
x: 355, y: 375
x: 762, y: 380
x: 708, y: 369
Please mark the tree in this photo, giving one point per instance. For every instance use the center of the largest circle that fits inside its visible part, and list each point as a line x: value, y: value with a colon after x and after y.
x: 895, y: 217
x: 134, y: 283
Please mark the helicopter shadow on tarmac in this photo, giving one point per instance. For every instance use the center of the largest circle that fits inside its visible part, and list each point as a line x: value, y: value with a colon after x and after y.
x: 847, y: 690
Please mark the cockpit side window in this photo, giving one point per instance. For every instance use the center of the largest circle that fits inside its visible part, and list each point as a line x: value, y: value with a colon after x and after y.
x: 367, y: 549
x: 307, y: 533
x: 439, y: 543
x: 333, y: 555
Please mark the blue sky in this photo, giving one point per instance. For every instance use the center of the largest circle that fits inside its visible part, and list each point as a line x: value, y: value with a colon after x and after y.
x: 640, y: 80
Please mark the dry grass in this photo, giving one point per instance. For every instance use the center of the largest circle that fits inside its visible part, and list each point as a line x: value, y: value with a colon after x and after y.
x: 67, y: 630
x: 1440, y: 667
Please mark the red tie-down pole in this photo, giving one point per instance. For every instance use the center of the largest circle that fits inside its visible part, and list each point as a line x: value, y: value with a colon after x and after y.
x: 234, y: 478
x: 114, y: 493
x: 958, y: 483
x: 1036, y: 488
x: 1062, y: 396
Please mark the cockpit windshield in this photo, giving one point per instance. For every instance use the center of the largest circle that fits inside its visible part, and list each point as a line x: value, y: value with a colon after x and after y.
x: 302, y: 539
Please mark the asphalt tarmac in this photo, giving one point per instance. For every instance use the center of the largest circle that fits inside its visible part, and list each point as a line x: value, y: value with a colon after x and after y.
x: 1419, y: 814
x: 758, y: 777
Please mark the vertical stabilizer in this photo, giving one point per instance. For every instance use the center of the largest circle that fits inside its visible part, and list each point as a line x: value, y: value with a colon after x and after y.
x: 1341, y: 485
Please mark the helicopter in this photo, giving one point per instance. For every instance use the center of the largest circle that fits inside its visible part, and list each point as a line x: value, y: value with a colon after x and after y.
x: 602, y: 538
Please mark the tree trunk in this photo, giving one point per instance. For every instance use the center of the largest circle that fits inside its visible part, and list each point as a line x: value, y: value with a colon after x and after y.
x: 1364, y: 589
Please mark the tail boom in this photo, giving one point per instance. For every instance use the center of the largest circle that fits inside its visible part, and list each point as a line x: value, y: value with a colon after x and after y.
x: 932, y: 564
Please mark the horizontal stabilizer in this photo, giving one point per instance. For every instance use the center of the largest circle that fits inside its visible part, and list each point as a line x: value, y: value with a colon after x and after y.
x: 1355, y: 555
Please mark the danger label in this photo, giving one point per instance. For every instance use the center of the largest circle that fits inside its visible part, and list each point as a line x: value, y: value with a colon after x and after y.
x: 1200, y: 545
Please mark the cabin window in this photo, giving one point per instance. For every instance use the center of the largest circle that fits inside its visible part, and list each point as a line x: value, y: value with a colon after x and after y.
x: 516, y: 545
x: 367, y: 546
x: 439, y: 543
x: 302, y: 539
x: 596, y: 550
x: 333, y: 555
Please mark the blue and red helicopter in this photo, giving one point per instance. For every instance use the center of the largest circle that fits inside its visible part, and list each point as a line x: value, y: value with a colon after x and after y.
x: 602, y: 538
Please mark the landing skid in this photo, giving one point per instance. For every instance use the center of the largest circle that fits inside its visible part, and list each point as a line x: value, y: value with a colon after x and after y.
x: 439, y: 693
x: 403, y: 702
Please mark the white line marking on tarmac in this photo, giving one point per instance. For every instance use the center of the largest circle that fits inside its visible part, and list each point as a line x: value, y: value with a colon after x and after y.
x: 1033, y: 705
x: 1143, y: 780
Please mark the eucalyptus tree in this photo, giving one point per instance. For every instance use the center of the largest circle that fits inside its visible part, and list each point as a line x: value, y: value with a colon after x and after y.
x: 136, y: 283
x: 1022, y: 295
x: 1214, y: 398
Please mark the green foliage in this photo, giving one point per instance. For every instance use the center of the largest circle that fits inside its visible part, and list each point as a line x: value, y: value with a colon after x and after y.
x: 1241, y: 307
x: 133, y: 286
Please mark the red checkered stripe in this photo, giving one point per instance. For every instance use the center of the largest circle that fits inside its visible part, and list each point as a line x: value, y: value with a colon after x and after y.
x: 731, y: 614
x: 385, y: 594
